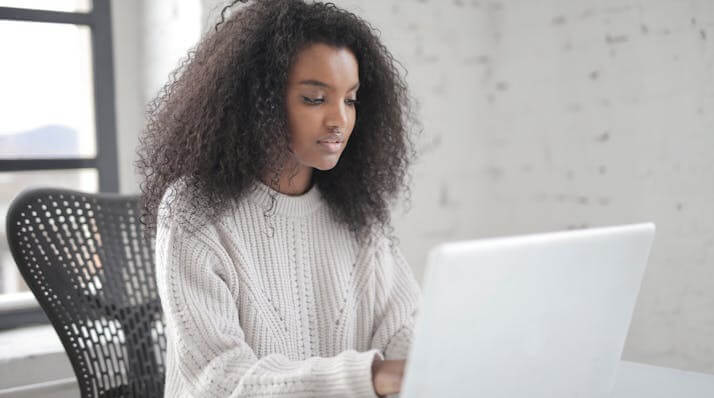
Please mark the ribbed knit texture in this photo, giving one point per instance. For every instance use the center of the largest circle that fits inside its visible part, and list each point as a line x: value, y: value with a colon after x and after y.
x: 277, y: 305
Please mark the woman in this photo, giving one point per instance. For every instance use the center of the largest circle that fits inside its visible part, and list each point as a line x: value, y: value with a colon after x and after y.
x: 269, y: 163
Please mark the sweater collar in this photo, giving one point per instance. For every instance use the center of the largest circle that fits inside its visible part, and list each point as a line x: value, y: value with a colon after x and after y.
x: 287, y: 205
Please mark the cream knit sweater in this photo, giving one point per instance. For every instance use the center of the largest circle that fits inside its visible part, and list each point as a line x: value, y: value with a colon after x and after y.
x: 286, y: 304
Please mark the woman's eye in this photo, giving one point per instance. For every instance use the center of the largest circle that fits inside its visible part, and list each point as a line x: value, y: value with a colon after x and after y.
x: 313, y: 101
x: 317, y: 101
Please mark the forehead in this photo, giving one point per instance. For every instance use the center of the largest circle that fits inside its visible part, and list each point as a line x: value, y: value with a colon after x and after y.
x: 334, y: 66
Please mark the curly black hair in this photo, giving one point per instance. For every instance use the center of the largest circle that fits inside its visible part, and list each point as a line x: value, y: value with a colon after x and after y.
x: 220, y: 122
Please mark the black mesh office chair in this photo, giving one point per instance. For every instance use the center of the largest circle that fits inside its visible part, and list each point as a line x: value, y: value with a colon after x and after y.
x: 91, y: 266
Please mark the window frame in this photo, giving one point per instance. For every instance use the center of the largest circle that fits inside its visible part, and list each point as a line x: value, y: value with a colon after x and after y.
x: 98, y: 19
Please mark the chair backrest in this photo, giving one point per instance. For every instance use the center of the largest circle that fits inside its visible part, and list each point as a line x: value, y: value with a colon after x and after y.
x: 90, y: 265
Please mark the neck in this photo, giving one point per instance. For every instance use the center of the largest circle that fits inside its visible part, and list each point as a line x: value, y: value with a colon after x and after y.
x: 291, y: 181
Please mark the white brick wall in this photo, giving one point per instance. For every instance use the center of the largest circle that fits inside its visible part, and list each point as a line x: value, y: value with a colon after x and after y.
x: 547, y: 115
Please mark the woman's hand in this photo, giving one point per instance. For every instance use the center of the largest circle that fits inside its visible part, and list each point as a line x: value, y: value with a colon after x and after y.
x: 387, y: 376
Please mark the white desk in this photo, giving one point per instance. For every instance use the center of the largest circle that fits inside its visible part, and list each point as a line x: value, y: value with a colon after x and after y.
x: 636, y: 380
x: 32, y: 359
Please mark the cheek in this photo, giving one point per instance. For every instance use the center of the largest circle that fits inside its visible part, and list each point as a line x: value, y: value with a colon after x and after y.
x: 302, y: 126
x: 298, y: 138
x: 351, y: 122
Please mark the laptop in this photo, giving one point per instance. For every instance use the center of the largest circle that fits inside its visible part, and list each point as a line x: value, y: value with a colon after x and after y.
x: 538, y: 316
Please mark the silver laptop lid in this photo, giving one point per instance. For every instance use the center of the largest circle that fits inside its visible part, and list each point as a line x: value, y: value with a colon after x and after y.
x: 533, y: 316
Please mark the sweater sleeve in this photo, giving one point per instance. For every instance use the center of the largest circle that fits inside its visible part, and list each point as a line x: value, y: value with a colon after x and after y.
x: 398, y: 296
x: 198, y: 288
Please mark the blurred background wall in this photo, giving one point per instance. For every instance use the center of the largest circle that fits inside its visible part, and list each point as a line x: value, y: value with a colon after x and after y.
x: 537, y: 116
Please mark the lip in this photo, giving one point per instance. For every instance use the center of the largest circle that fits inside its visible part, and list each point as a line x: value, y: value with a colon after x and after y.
x: 331, y: 145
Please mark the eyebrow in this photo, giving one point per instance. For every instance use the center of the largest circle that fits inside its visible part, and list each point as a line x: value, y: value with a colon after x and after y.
x: 312, y: 82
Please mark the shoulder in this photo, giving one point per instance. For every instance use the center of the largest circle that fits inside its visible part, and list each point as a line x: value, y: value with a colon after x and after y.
x: 383, y: 250
x: 187, y: 242
x: 177, y: 200
x: 184, y: 206
x: 389, y: 261
x: 381, y: 242
x: 182, y: 219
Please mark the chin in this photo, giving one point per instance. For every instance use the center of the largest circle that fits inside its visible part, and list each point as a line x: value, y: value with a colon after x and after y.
x: 326, y: 164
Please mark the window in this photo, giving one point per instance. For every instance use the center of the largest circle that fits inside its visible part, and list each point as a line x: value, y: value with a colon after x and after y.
x: 57, y: 126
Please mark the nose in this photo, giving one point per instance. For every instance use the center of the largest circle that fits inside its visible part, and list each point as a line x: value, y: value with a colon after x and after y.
x: 337, y: 116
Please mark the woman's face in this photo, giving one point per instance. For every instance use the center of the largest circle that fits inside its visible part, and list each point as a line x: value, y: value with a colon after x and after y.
x: 321, y: 94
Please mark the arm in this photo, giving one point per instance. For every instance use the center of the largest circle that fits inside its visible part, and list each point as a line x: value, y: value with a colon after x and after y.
x: 197, y: 286
x: 398, y: 297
